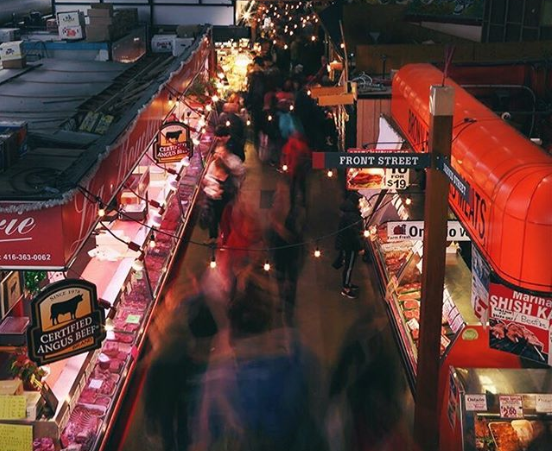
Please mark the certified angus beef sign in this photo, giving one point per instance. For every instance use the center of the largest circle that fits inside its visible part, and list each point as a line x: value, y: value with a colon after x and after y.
x: 66, y: 320
x: 173, y: 143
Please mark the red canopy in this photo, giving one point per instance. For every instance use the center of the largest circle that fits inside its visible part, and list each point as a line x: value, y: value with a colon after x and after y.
x: 510, y: 218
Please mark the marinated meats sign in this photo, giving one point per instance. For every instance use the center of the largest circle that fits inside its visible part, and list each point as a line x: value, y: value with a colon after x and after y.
x: 520, y: 323
x: 66, y: 320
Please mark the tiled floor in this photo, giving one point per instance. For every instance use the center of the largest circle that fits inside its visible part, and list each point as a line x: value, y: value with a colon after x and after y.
x: 359, y: 398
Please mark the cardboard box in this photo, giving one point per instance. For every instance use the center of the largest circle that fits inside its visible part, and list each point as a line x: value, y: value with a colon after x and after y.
x: 71, y: 33
x: 34, y: 403
x: 21, y: 131
x: 100, y: 10
x: 101, y: 21
x: 15, y: 64
x: 99, y: 33
x: 70, y: 19
x: 9, y: 34
x: 11, y: 387
x: 10, y: 151
x: 11, y: 50
x: 162, y: 43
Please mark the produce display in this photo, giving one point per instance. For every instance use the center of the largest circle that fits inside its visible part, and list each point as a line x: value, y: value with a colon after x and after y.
x: 515, y: 435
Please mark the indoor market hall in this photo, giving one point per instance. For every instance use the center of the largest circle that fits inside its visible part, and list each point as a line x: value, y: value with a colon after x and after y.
x: 327, y: 377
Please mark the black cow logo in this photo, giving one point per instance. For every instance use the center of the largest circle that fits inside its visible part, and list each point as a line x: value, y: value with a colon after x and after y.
x: 62, y: 308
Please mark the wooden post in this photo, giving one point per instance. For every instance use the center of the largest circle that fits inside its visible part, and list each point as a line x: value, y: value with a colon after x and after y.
x: 426, y: 417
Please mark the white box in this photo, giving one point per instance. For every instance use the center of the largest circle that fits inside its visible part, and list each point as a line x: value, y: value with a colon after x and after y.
x: 71, y: 32
x: 180, y: 45
x: 70, y: 19
x: 162, y: 43
x: 9, y: 34
x: 33, y: 400
x: 11, y: 50
x: 105, y: 239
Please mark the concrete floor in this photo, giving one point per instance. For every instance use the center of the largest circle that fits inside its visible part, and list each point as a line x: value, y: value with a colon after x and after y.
x: 350, y: 342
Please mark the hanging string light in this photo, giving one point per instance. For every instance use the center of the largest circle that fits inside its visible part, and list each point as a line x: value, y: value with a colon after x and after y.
x: 330, y: 173
x: 285, y: 167
x: 213, y: 262
x: 266, y: 265
x: 171, y: 101
x: 366, y: 233
x: 101, y: 210
x: 408, y: 200
x: 152, y: 243
x: 317, y: 252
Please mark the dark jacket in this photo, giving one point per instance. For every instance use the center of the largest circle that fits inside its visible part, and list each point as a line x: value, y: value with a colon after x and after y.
x: 350, y: 228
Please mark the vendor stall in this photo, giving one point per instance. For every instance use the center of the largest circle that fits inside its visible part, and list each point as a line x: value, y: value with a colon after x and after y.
x: 498, y: 277
x: 117, y: 229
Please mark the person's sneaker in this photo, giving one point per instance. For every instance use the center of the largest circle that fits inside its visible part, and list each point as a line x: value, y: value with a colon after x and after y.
x: 348, y: 293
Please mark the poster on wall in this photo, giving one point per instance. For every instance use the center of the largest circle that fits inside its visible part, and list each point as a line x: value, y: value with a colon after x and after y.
x: 173, y: 143
x: 65, y: 320
x: 520, y: 323
x: 481, y: 277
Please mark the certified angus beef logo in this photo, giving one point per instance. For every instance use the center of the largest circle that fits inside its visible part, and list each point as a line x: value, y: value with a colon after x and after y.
x: 66, y: 320
x: 173, y: 143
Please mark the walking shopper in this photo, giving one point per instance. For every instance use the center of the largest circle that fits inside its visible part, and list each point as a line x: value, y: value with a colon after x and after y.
x: 219, y: 189
x: 349, y: 243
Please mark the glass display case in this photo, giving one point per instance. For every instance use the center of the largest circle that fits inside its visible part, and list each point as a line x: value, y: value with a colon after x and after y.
x: 491, y: 409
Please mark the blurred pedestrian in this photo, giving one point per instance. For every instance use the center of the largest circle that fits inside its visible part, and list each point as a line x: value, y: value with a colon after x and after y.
x: 233, y: 125
x: 349, y: 242
x: 296, y: 157
x: 256, y: 88
x: 287, y: 222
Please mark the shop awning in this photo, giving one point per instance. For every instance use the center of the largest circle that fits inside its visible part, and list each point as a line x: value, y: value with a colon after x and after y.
x: 510, y: 218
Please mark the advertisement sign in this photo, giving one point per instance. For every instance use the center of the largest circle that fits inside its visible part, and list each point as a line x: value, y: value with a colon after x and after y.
x: 520, y: 323
x: 481, y: 277
x: 65, y: 320
x: 414, y: 230
x: 173, y: 143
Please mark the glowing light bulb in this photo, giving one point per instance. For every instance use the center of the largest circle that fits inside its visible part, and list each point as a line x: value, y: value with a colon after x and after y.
x: 329, y: 173
x: 269, y: 117
x: 215, y: 98
x: 408, y: 201
x: 195, y: 141
x: 137, y: 265
x: 213, y: 263
x: 266, y: 266
x: 220, y: 75
x: 309, y: 92
x: 152, y: 241
x: 227, y: 123
x: 291, y: 32
x: 285, y: 167
x: 291, y: 108
x: 317, y: 253
x: 171, y: 101
x: 109, y: 326
x: 101, y: 212
x: 248, y: 123
x: 342, y: 45
x: 313, y: 38
x: 208, y: 107
x: 366, y: 233
x: 285, y: 47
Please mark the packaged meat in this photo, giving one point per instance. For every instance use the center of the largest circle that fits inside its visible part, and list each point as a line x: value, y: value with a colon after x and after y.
x: 413, y: 295
x: 412, y: 314
x: 524, y: 431
x: 44, y: 444
x: 110, y: 348
x: 409, y: 305
x: 505, y: 436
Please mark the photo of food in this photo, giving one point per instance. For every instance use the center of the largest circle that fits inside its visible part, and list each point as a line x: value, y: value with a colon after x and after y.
x: 516, y: 338
x: 365, y: 178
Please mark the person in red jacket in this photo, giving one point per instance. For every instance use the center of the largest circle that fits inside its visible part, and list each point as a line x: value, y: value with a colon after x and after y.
x: 297, y: 155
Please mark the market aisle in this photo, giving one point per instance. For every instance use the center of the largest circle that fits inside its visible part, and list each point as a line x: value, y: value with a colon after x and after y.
x: 360, y: 382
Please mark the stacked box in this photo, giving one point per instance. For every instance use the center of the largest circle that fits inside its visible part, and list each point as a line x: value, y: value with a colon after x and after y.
x: 12, y: 56
x: 8, y: 151
x: 100, y: 27
x: 71, y: 25
x: 9, y: 34
x: 20, y: 130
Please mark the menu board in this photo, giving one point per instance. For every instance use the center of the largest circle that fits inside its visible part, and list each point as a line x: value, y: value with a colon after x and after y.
x: 14, y: 437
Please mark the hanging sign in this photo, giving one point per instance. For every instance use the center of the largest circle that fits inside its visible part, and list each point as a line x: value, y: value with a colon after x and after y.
x: 359, y: 158
x: 414, y: 230
x: 66, y: 320
x: 520, y: 323
x: 173, y: 143
x: 481, y: 275
x: 456, y: 179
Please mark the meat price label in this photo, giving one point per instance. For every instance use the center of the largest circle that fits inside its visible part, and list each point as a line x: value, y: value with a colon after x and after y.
x: 511, y: 406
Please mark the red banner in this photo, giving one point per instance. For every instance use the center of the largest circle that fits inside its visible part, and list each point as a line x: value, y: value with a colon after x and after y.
x: 520, y: 323
x: 49, y: 238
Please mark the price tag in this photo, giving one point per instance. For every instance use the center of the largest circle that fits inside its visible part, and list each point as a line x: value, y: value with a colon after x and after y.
x: 12, y: 407
x: 396, y: 178
x: 511, y: 406
x: 95, y: 383
x: 14, y: 437
x: 133, y: 319
x: 544, y: 403
x: 476, y: 403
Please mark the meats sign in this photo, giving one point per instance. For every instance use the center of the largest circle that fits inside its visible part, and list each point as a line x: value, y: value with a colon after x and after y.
x: 520, y: 323
x: 66, y: 320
